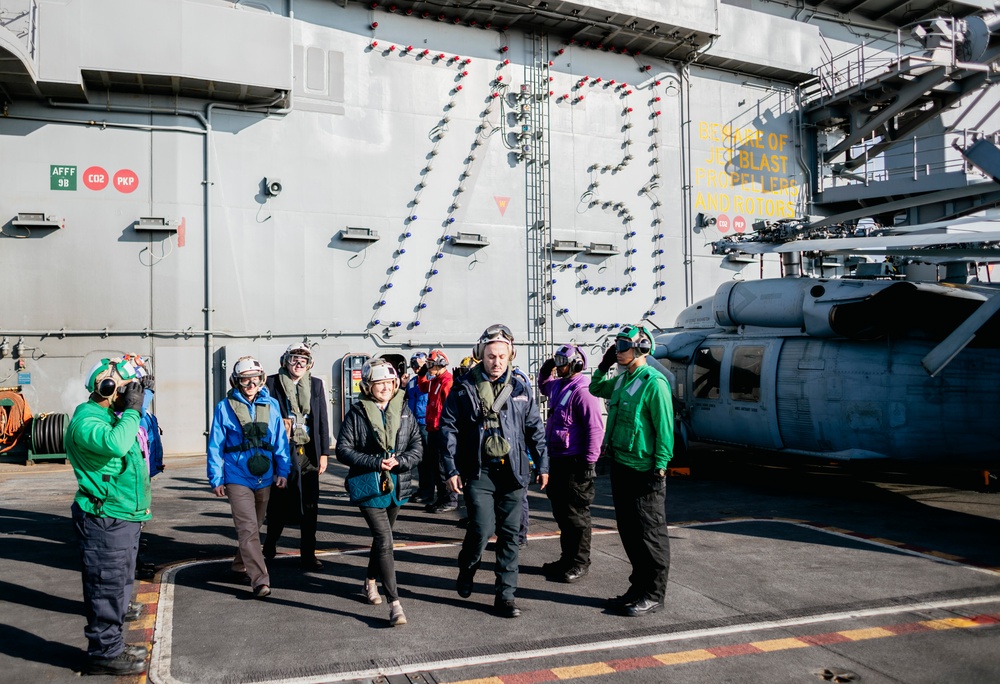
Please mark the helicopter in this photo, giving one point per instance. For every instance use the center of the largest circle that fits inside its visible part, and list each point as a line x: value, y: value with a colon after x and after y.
x: 871, y: 365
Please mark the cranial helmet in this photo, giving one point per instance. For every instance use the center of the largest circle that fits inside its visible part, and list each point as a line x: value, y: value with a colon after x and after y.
x: 107, y: 374
x: 417, y: 356
x: 376, y: 370
x: 437, y: 358
x: 641, y: 339
x: 247, y: 367
x: 573, y: 356
x: 494, y: 333
x: 298, y: 349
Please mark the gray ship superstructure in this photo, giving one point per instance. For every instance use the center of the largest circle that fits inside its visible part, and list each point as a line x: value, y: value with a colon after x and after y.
x: 195, y: 180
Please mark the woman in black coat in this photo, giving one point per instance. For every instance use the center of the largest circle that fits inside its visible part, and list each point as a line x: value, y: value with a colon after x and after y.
x: 380, y: 436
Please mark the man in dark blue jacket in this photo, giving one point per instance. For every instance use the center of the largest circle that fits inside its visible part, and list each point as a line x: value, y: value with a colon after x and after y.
x: 490, y: 420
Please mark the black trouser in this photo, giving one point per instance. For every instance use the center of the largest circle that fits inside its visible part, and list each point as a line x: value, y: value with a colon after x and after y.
x: 571, y: 491
x: 108, y: 548
x: 280, y: 512
x: 381, y: 564
x: 427, y: 469
x: 640, y: 509
x: 494, y: 503
x: 435, y: 461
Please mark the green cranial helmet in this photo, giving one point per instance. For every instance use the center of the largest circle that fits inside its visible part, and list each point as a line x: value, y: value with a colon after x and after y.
x: 641, y: 339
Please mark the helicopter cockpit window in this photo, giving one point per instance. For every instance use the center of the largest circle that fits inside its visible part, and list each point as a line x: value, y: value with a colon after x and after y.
x: 744, y: 378
x: 706, y: 376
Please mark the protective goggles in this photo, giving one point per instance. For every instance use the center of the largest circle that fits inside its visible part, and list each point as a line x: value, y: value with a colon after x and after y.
x: 562, y: 360
x: 623, y: 344
x: 496, y: 333
x: 249, y: 380
x: 416, y: 359
x: 296, y: 360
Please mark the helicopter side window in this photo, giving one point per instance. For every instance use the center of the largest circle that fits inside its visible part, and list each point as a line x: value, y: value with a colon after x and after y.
x: 706, y: 373
x: 744, y: 378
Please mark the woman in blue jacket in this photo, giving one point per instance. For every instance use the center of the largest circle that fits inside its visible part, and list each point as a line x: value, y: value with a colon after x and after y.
x: 247, y: 452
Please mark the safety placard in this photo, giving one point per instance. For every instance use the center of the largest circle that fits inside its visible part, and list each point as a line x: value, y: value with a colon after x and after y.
x: 62, y: 177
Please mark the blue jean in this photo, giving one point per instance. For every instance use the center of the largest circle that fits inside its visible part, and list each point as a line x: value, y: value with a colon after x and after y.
x: 494, y: 501
x: 108, y: 548
x: 381, y: 564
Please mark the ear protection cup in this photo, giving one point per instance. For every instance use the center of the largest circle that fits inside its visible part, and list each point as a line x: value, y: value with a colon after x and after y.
x: 645, y: 343
x: 576, y: 365
x: 106, y: 388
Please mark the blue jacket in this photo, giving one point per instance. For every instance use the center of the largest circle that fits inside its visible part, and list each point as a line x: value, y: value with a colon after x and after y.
x: 416, y: 399
x: 230, y: 467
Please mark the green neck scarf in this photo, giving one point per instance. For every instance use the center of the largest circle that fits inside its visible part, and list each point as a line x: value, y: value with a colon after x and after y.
x: 299, y: 397
x: 495, y: 446
x: 385, y: 423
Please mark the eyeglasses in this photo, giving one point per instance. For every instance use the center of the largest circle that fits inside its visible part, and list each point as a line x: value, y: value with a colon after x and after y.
x: 298, y: 361
x: 561, y: 360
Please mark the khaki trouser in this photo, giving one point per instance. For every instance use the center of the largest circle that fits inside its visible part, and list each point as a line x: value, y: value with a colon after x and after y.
x: 248, y: 506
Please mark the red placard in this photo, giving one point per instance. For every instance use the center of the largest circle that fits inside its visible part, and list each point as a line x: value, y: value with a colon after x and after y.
x: 126, y: 181
x: 95, y: 178
x: 739, y: 224
x: 722, y: 223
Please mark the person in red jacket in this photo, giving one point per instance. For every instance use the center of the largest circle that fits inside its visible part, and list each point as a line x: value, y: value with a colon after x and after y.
x: 435, y: 379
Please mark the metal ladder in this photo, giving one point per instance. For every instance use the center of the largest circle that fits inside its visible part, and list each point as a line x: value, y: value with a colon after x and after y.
x: 533, y: 142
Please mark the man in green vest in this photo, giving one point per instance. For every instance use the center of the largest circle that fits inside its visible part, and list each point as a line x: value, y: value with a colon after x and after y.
x: 639, y: 441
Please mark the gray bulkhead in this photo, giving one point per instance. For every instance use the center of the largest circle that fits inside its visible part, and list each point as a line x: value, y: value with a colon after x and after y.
x: 202, y: 101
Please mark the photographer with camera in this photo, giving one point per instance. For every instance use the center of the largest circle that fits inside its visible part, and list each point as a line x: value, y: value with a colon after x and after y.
x: 248, y: 450
x: 639, y: 442
x: 111, y: 503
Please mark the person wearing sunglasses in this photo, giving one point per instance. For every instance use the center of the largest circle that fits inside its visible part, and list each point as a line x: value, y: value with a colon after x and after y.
x: 489, y: 423
x: 639, y: 443
x: 248, y: 452
x: 573, y: 435
x: 302, y: 398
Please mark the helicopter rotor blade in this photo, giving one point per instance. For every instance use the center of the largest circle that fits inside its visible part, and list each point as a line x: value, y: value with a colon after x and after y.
x: 941, y: 355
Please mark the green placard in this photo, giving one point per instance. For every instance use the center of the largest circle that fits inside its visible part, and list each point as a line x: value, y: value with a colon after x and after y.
x: 62, y: 177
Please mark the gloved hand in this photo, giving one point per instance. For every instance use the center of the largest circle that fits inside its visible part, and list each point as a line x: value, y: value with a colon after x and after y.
x: 132, y: 397
x: 609, y: 359
x: 148, y: 382
x: 545, y: 372
x: 657, y: 478
x: 422, y: 371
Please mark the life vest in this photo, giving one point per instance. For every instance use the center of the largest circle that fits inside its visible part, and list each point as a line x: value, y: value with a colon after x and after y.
x: 254, y: 428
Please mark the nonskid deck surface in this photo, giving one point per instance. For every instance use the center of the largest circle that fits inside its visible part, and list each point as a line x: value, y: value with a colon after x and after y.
x: 768, y: 586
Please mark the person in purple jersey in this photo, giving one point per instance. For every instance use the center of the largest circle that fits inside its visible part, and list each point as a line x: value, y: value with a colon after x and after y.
x: 573, y: 436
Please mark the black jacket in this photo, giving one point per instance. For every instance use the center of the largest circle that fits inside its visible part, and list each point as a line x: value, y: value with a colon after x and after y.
x: 462, y: 430
x: 318, y: 421
x: 359, y: 448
